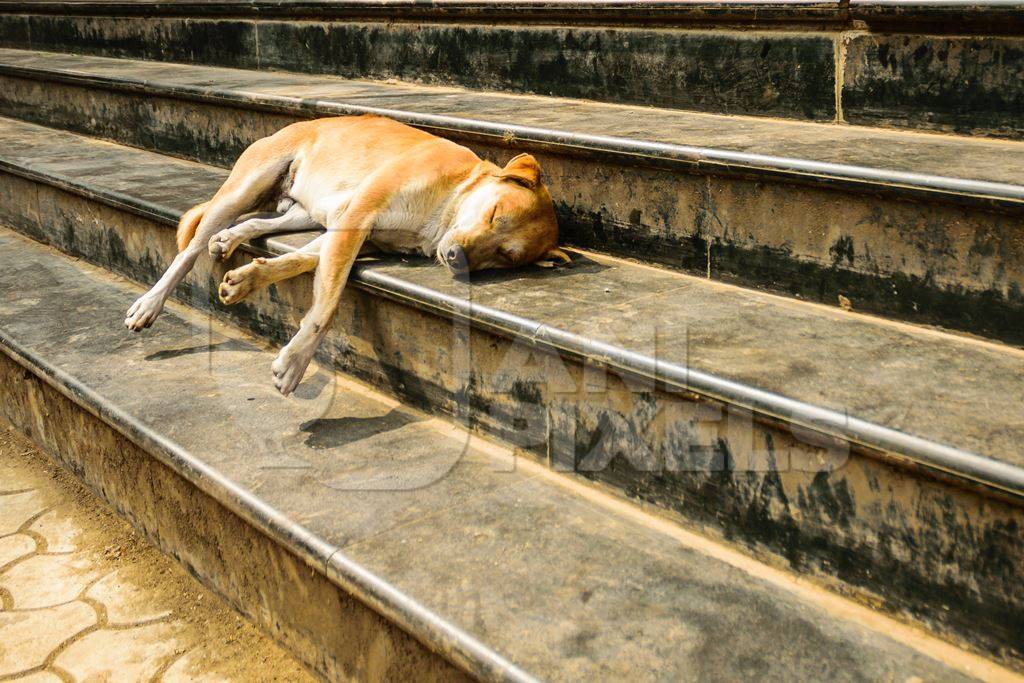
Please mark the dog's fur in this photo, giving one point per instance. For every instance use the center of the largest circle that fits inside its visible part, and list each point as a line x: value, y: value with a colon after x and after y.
x: 367, y: 180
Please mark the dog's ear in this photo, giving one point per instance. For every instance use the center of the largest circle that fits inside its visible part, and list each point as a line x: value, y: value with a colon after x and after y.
x: 554, y: 257
x: 522, y: 169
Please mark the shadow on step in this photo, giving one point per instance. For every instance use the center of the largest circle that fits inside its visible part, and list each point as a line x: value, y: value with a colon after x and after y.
x: 325, y: 433
x: 230, y: 345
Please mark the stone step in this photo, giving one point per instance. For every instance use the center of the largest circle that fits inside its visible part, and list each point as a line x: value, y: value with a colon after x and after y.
x: 877, y: 457
x: 920, y: 227
x: 924, y: 67
x: 378, y: 543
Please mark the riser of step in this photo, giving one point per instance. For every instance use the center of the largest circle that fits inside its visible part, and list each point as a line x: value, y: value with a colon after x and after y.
x: 963, y: 84
x: 328, y: 629
x: 670, y: 68
x: 631, y: 12
x: 937, y: 552
x: 943, y: 261
x: 997, y: 16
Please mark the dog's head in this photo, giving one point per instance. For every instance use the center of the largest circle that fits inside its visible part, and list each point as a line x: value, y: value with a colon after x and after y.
x: 505, y: 220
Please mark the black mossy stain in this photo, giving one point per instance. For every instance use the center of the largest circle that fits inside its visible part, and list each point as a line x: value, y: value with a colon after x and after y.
x: 842, y: 250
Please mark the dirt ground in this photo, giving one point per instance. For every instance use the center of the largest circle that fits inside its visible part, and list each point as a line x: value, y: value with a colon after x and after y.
x: 84, y: 597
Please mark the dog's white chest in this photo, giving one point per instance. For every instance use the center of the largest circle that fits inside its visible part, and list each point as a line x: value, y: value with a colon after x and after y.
x: 409, y: 222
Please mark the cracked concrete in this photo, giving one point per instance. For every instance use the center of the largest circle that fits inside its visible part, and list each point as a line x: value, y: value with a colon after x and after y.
x: 84, y: 598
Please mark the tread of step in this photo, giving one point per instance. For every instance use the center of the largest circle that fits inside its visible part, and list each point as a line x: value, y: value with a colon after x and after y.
x: 445, y: 535
x: 940, y: 400
x: 962, y: 169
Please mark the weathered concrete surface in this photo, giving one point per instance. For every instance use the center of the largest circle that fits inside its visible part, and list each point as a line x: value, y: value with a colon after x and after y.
x: 480, y: 556
x: 767, y: 74
x: 918, y: 77
x: 981, y: 17
x: 85, y: 598
x: 642, y: 12
x: 938, y: 552
x: 936, y: 262
x: 961, y: 84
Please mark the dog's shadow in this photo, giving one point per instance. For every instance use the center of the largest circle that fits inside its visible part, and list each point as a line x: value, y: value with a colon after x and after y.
x: 325, y: 433
x: 228, y: 345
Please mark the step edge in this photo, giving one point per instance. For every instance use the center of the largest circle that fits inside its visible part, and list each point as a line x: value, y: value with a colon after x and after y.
x: 628, y: 151
x: 432, y: 630
x: 876, y: 440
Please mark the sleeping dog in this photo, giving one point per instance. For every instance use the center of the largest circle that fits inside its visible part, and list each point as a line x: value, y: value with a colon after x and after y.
x: 370, y: 181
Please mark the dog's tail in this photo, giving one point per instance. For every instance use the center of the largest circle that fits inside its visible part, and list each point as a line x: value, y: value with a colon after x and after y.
x: 189, y: 223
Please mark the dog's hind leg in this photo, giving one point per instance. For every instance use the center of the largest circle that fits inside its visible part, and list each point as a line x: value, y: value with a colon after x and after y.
x: 295, y: 219
x: 263, y: 272
x: 257, y: 172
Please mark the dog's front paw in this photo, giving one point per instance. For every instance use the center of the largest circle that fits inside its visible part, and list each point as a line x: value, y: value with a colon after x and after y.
x: 290, y: 365
x: 240, y: 282
x: 223, y: 244
x: 143, y: 312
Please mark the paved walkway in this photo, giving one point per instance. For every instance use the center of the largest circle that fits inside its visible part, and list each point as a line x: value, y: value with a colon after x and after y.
x: 83, y: 597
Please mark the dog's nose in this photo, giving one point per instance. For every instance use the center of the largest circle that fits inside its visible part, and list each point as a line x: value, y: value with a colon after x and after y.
x: 455, y: 257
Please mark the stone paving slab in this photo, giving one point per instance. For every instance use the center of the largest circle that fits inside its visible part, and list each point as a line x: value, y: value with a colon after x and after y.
x: 84, y: 598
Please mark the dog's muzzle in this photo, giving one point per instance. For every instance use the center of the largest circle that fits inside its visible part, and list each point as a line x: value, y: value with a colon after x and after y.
x: 455, y: 258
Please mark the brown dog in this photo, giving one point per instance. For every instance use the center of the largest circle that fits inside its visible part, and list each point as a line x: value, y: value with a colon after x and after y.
x: 367, y: 179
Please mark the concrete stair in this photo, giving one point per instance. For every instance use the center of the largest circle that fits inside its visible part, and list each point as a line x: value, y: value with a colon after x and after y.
x: 723, y: 406
x: 663, y: 434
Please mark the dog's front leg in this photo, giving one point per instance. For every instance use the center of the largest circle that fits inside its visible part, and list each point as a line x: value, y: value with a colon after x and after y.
x: 295, y: 219
x: 345, y: 236
x: 262, y: 272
